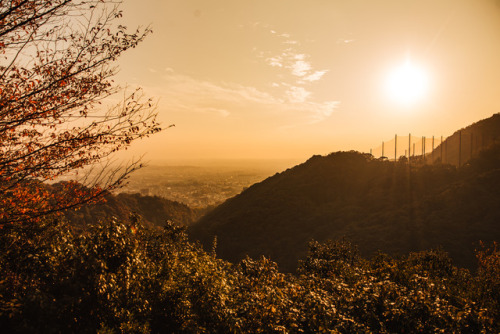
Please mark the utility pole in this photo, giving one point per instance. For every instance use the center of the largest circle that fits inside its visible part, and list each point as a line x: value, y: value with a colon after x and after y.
x: 459, y: 148
x: 442, y: 161
x: 432, y: 149
x: 395, y: 147
x: 409, y: 147
x: 423, y: 148
x: 382, y: 149
x: 471, y: 144
x: 446, y: 150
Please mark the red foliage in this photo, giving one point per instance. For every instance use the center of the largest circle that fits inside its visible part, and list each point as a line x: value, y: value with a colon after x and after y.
x: 54, y: 72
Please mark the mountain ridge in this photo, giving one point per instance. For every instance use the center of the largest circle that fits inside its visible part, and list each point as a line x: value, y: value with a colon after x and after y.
x: 379, y: 205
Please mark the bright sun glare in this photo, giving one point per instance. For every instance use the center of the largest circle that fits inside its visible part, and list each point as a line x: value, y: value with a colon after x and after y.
x: 407, y: 84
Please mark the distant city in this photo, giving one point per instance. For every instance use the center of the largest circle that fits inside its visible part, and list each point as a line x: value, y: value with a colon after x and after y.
x: 203, y: 185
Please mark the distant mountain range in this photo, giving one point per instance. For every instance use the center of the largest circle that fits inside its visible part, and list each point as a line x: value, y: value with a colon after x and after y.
x: 378, y: 204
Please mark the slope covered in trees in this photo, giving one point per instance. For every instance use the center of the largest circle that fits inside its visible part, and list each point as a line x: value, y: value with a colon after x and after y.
x: 468, y: 142
x: 154, y: 210
x: 379, y: 205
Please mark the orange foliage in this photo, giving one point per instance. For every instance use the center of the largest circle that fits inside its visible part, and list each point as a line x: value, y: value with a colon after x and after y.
x: 53, y: 76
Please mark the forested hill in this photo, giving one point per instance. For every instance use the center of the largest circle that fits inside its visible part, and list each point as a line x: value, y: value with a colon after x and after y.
x: 469, y: 141
x: 152, y: 209
x: 379, y: 205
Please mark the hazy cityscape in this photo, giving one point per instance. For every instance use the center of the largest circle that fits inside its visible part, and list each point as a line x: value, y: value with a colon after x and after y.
x: 202, y: 184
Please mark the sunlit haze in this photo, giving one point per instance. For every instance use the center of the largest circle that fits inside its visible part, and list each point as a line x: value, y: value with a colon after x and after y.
x: 290, y: 79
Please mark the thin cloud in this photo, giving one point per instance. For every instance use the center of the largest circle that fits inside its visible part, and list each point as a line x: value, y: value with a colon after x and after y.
x: 297, y: 94
x: 275, y: 61
x: 315, y: 76
x: 345, y: 41
x: 326, y: 109
x: 183, y: 93
x: 300, y: 68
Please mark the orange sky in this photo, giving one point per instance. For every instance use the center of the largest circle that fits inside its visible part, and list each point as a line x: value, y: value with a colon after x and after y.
x: 289, y: 78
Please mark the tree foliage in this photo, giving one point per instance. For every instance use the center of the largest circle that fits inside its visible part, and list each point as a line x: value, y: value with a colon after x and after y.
x: 154, y: 210
x: 120, y: 277
x: 56, y: 68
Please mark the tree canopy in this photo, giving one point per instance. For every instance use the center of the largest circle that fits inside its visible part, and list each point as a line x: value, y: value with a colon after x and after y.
x: 122, y: 277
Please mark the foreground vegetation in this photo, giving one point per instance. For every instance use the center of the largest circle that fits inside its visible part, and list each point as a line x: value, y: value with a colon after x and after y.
x: 125, y: 277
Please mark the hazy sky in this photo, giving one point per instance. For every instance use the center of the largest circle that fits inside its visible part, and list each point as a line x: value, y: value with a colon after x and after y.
x: 289, y: 78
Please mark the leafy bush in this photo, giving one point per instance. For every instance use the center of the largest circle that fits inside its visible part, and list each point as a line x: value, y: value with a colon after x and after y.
x: 123, y: 277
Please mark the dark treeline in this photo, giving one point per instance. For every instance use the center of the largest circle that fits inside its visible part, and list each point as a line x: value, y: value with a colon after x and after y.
x: 119, y: 277
x: 153, y: 209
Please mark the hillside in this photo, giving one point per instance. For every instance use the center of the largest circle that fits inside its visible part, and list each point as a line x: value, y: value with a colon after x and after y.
x: 469, y: 141
x: 153, y: 210
x: 379, y: 205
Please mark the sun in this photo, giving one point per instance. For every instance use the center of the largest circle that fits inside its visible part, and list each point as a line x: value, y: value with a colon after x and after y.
x: 407, y: 84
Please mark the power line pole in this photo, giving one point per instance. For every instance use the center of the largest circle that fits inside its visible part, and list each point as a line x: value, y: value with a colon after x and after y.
x: 446, y: 150
x: 471, y: 144
x: 395, y: 147
x: 442, y: 161
x: 432, y: 149
x: 459, y: 148
x: 409, y: 147
x: 423, y: 148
